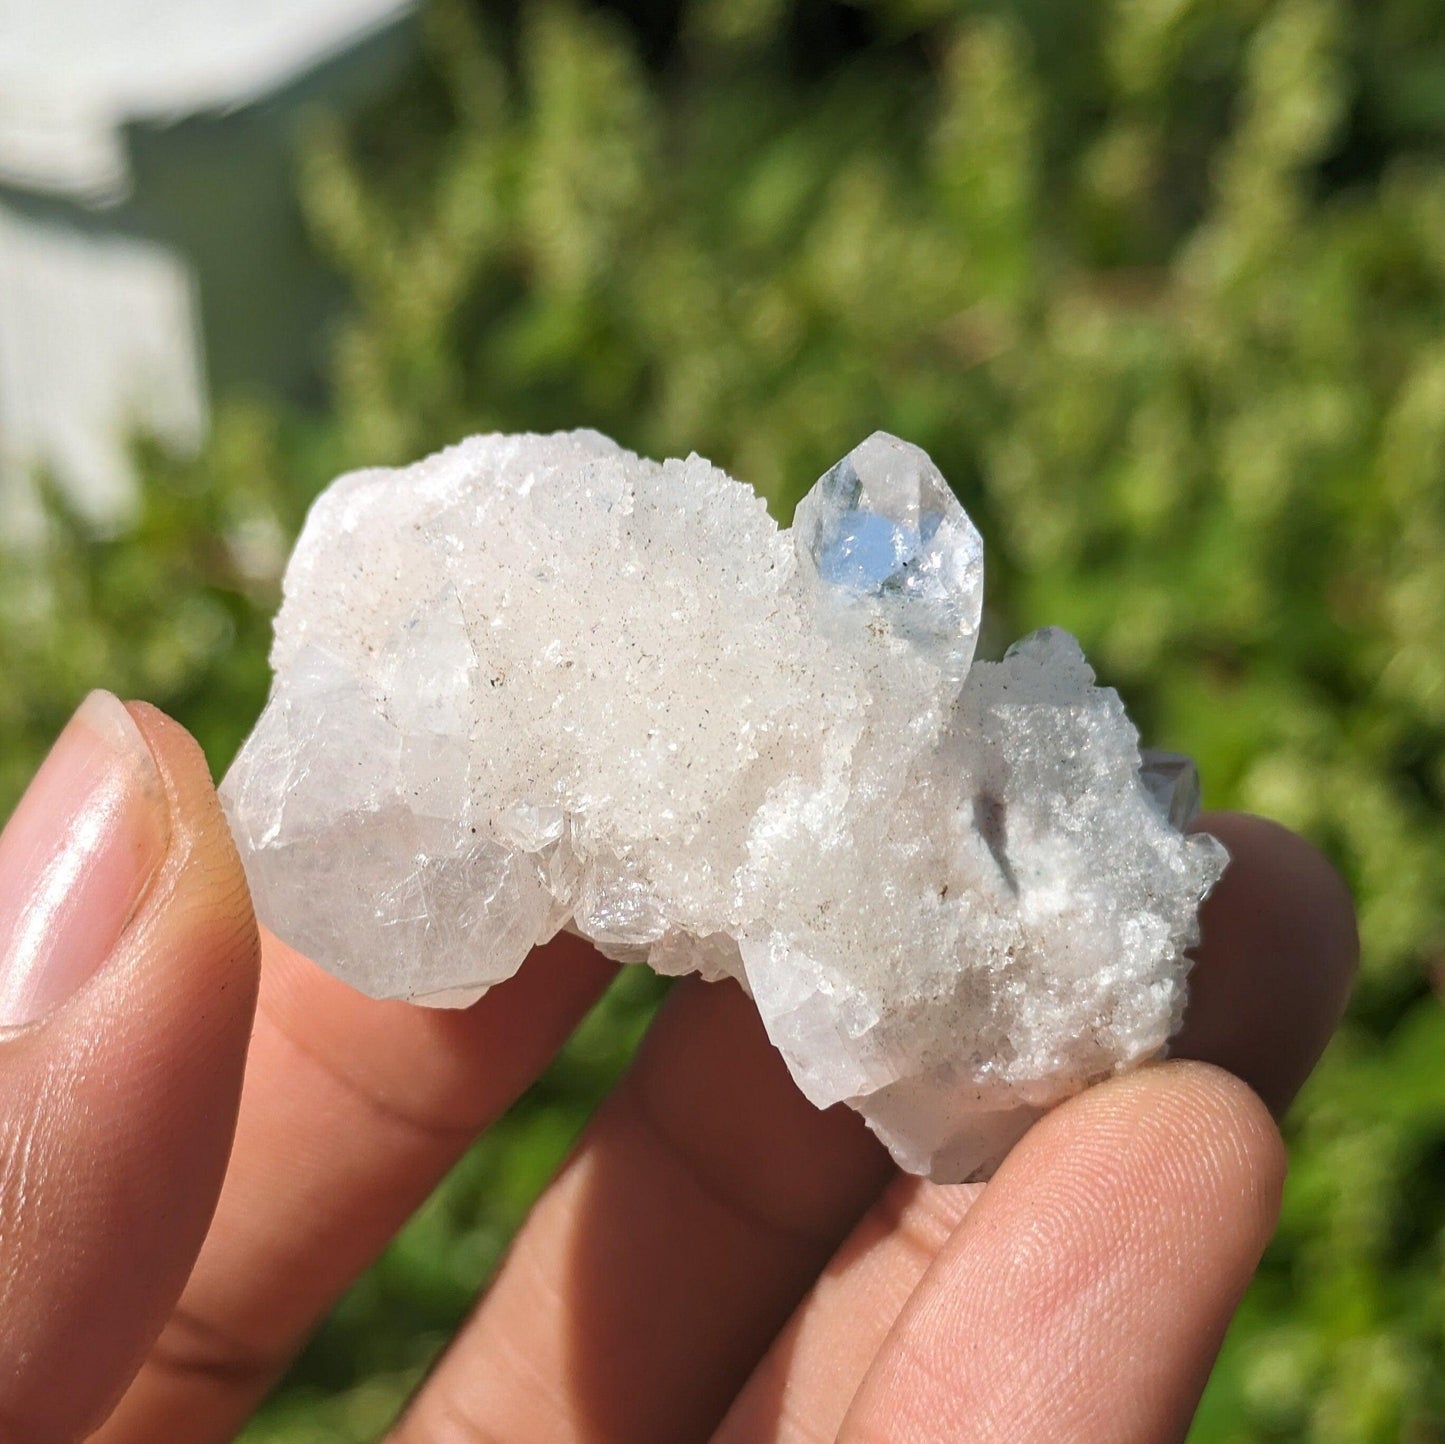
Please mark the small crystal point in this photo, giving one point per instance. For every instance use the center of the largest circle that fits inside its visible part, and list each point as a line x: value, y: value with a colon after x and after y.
x: 1172, y: 780
x: 883, y: 528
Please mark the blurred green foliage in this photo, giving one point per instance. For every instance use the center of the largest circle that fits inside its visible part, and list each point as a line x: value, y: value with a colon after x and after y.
x: 1161, y: 285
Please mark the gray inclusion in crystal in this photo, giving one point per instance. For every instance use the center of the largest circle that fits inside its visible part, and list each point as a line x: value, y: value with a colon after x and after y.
x: 1172, y: 780
x: 883, y: 529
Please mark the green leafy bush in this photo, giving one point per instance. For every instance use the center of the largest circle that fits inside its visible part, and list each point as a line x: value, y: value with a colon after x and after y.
x: 1160, y: 284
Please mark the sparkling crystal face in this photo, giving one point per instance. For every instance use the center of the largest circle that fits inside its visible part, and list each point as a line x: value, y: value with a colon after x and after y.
x: 883, y: 529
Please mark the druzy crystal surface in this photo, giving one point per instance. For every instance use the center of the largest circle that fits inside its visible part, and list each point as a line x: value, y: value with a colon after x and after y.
x: 538, y: 682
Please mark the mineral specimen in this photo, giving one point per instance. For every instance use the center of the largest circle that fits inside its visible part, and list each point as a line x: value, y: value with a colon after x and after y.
x: 538, y: 682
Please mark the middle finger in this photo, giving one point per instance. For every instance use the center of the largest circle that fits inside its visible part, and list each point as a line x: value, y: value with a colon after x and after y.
x: 656, y: 1269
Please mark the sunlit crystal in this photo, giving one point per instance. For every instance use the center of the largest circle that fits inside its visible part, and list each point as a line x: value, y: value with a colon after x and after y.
x: 537, y: 682
x: 883, y: 529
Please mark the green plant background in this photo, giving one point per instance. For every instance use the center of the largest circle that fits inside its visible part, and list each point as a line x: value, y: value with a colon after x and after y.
x: 1160, y: 283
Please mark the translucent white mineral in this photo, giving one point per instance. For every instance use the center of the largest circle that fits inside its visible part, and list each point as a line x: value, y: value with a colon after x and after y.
x: 537, y: 682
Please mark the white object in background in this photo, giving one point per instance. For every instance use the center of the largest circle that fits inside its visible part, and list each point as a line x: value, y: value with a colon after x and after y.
x: 98, y: 337
x: 74, y: 72
x: 101, y: 333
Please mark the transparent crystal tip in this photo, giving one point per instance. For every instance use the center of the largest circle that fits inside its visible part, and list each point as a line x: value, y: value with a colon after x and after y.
x: 1172, y: 780
x: 883, y: 528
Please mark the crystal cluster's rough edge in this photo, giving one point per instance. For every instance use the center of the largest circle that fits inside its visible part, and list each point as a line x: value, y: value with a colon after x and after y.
x: 538, y: 682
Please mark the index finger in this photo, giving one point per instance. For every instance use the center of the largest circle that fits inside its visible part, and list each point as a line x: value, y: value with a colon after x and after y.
x: 352, y: 1111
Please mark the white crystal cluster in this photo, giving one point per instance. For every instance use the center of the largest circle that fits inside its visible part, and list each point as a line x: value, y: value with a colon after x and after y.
x: 538, y: 682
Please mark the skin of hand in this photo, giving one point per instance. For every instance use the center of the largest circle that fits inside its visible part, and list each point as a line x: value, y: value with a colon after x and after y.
x: 204, y: 1139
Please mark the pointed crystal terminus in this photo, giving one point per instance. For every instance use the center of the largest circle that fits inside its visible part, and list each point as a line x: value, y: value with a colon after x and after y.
x: 1172, y: 780
x: 883, y: 528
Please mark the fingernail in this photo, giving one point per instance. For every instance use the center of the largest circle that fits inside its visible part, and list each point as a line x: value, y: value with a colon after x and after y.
x: 76, y: 858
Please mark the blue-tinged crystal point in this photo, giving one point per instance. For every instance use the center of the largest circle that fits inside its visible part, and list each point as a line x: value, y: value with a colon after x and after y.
x: 881, y: 534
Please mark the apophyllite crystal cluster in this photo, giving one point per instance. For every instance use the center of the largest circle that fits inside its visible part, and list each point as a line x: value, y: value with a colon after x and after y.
x: 537, y: 682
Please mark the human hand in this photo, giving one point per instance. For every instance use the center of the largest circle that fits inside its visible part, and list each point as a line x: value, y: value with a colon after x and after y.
x: 715, y: 1258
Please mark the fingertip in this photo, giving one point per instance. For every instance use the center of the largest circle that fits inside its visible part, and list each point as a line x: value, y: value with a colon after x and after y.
x: 1248, y: 1146
x: 126, y: 1093
x: 1271, y: 851
x: 1184, y: 1128
x: 1276, y: 962
x: 217, y: 922
x: 1085, y: 1294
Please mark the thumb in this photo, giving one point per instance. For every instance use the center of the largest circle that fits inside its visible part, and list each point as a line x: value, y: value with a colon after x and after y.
x: 128, y: 959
